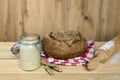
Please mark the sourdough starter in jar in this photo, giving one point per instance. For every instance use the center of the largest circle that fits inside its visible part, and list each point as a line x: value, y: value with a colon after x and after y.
x: 30, y: 48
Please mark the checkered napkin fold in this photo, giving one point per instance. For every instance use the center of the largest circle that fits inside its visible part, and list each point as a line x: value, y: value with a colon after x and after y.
x: 77, y: 61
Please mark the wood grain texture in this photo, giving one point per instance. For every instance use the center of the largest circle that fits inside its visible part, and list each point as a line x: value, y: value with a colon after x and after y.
x: 110, y: 19
x: 54, y: 18
x: 43, y: 16
x: 96, y: 19
x: 9, y: 69
x: 3, y: 19
x: 83, y: 16
x: 11, y: 28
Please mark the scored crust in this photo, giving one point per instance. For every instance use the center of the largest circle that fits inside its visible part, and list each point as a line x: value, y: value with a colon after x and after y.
x: 64, y: 44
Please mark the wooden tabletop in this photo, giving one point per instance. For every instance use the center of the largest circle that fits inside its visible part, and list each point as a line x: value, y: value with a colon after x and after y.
x: 9, y: 68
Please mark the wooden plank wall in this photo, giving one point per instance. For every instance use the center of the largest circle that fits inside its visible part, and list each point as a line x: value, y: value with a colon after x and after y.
x: 96, y: 19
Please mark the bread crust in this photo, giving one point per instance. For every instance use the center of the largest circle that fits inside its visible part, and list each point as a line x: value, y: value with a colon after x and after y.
x: 64, y: 44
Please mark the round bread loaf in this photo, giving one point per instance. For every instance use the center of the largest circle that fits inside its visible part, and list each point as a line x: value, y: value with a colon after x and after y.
x: 64, y: 44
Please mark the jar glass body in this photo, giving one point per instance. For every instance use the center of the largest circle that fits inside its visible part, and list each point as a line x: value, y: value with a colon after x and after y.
x: 30, y: 47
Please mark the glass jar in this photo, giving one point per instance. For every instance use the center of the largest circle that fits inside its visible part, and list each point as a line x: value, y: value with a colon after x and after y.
x: 29, y: 47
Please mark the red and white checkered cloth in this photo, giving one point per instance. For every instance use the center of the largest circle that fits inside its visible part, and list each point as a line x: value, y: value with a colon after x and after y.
x: 77, y: 61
